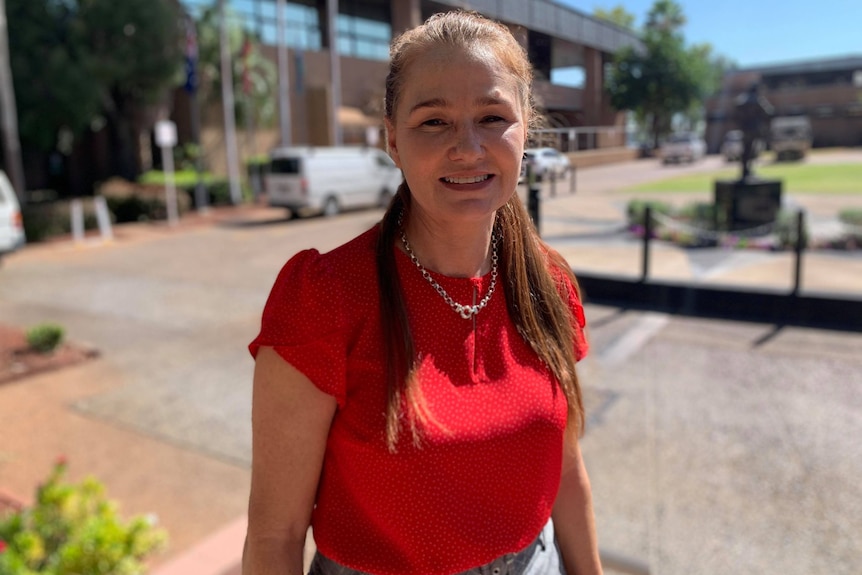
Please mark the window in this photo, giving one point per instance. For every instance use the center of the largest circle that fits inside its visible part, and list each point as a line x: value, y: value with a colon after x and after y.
x: 363, y: 38
x: 260, y: 17
x: 571, y: 77
x: 284, y: 166
x: 385, y: 161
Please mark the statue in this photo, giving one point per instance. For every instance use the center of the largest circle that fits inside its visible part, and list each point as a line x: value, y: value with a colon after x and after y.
x: 752, y: 114
x: 748, y: 202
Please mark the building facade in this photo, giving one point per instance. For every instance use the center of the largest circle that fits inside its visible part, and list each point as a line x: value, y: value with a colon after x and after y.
x: 569, y: 51
x: 828, y: 91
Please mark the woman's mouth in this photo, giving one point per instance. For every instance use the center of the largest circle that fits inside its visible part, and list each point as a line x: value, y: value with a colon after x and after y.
x: 469, y: 180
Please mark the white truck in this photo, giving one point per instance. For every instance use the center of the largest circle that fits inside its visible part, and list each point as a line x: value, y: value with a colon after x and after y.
x: 790, y: 137
x: 310, y: 179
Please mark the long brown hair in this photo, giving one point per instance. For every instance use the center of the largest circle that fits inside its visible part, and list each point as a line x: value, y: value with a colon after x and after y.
x: 536, y: 300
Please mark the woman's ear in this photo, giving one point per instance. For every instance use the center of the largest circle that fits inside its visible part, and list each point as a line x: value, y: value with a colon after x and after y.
x: 391, y: 144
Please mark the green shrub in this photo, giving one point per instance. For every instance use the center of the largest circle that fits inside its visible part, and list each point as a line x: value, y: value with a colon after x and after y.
x: 187, y: 155
x: 851, y: 216
x: 219, y: 193
x: 45, y: 337
x: 853, y: 237
x: 700, y: 213
x: 217, y: 189
x: 134, y: 202
x: 182, y: 178
x: 786, y: 230
x: 636, y: 209
x: 75, y: 529
x: 45, y: 220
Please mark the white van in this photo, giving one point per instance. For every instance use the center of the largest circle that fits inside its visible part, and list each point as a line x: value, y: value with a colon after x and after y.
x: 329, y: 179
x: 11, y: 222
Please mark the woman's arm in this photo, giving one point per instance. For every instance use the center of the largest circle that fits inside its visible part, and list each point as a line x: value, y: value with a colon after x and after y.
x: 290, y: 424
x: 574, y: 522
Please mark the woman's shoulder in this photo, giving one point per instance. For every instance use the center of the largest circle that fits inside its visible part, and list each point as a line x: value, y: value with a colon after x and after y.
x: 557, y: 266
x: 358, y: 252
x: 347, y: 265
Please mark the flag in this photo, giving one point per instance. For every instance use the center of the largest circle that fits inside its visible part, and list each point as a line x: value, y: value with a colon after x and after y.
x: 246, y: 74
x: 191, y: 57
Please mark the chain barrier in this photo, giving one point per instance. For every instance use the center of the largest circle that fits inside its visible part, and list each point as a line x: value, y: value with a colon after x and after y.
x: 674, y: 224
x: 852, y: 228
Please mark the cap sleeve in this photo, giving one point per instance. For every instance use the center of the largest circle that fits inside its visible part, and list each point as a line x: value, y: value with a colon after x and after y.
x: 579, y: 320
x: 301, y: 323
x: 569, y: 292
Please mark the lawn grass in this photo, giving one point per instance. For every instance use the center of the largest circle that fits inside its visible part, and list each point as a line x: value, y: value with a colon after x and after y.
x: 797, y: 178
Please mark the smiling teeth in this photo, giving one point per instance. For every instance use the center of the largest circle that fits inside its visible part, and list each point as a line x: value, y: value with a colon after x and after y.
x: 473, y: 180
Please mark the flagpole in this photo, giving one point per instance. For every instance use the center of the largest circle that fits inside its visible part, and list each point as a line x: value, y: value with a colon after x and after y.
x: 228, y: 106
x: 201, y: 201
x: 283, y: 77
x: 334, y: 72
x: 248, y: 109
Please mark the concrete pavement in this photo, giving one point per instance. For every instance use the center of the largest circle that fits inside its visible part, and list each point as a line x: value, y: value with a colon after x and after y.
x: 712, y: 445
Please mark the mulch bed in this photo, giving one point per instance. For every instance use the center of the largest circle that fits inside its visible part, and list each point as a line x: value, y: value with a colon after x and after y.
x: 18, y: 361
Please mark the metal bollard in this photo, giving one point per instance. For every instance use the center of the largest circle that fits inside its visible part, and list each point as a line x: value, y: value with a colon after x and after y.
x: 533, y: 195
x: 646, y: 239
x: 798, y: 249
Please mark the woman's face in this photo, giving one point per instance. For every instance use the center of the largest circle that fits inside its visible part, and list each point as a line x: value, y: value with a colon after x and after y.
x: 458, y: 134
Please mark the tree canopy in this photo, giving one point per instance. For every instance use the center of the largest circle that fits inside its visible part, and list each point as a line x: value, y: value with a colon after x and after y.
x: 80, y: 63
x: 666, y: 78
x: 617, y: 15
x: 255, y: 77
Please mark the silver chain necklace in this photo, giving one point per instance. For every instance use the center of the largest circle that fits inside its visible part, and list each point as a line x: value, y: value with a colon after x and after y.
x: 465, y: 311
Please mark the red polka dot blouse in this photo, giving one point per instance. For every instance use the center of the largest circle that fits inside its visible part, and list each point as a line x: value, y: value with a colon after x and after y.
x: 485, y: 477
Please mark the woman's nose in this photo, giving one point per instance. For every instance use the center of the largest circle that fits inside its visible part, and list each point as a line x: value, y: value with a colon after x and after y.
x: 468, y: 144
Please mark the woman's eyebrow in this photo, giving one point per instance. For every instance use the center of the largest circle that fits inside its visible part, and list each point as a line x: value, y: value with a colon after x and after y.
x: 432, y: 103
x: 490, y: 101
x: 442, y: 103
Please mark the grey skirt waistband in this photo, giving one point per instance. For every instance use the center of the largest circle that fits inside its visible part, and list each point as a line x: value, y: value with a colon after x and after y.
x: 541, y: 557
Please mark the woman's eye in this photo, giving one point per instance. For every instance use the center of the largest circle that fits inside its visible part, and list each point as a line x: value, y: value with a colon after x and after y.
x: 493, y: 119
x: 433, y: 122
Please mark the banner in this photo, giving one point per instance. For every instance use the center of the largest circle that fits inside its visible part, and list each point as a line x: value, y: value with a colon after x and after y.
x: 191, y: 84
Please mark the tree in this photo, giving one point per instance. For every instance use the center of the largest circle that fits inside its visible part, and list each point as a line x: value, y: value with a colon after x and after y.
x: 49, y: 66
x: 663, y: 78
x: 255, y: 77
x: 135, y: 52
x: 665, y: 17
x: 617, y: 15
x: 82, y: 64
x: 708, y: 69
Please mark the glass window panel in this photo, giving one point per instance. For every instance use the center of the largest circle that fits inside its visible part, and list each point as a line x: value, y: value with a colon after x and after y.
x: 572, y: 77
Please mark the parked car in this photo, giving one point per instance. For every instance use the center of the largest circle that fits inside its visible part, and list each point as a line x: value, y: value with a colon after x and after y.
x: 329, y: 179
x: 731, y: 148
x: 548, y: 162
x: 11, y: 222
x: 682, y: 146
x: 790, y: 137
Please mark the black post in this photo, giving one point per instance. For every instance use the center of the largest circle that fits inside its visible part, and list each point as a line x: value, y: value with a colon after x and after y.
x: 799, y: 248
x: 532, y: 195
x: 647, y: 237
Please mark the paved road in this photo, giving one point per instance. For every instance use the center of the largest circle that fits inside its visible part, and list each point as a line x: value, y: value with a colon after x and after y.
x: 713, y: 446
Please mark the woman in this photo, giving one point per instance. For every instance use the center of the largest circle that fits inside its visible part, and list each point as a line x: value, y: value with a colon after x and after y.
x: 415, y: 394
